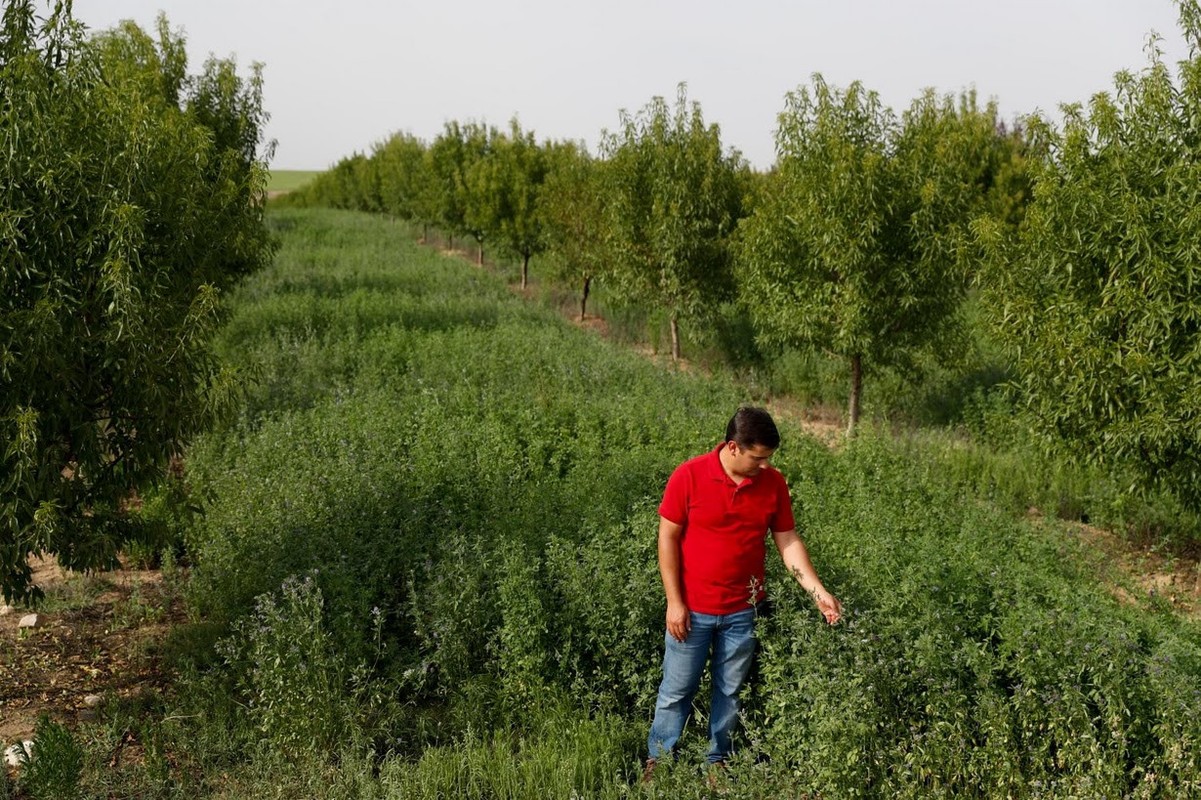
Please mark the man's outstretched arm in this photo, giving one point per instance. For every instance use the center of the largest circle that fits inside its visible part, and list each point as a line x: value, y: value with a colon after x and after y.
x: 796, y: 558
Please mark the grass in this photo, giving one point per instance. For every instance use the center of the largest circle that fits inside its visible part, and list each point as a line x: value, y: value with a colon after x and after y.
x: 74, y: 592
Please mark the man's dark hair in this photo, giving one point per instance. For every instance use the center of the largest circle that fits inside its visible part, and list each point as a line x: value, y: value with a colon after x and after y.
x: 752, y: 426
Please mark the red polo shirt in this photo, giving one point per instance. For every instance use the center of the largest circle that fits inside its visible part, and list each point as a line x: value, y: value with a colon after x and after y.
x: 722, y: 547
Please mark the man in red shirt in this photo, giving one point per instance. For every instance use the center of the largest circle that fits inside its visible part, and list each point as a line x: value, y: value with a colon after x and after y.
x: 713, y: 525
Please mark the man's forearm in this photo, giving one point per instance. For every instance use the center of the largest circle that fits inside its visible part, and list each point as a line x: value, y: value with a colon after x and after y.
x: 796, y: 558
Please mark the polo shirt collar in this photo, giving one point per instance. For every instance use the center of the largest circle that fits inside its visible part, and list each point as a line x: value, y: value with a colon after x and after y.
x: 718, y: 473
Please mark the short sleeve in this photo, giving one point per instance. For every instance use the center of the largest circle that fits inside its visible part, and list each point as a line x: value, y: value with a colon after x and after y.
x: 675, y: 498
x: 782, y: 518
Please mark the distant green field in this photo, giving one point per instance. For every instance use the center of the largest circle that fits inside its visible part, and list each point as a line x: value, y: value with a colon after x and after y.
x: 285, y: 180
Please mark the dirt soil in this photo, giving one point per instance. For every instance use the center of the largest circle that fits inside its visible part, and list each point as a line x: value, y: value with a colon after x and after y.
x: 96, y: 635
x: 1142, y: 576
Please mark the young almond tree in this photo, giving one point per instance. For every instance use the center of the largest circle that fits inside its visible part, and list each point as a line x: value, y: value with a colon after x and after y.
x: 449, y: 157
x: 854, y: 247
x: 574, y: 214
x: 427, y: 199
x: 504, y: 188
x: 1096, y: 295
x: 130, y: 196
x: 400, y: 161
x: 673, y: 199
x: 478, y: 219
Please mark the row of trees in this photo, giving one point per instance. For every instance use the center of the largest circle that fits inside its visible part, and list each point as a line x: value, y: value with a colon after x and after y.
x: 869, y: 231
x: 855, y: 242
x: 130, y: 197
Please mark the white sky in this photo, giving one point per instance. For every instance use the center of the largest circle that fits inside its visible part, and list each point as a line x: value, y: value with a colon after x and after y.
x: 343, y: 74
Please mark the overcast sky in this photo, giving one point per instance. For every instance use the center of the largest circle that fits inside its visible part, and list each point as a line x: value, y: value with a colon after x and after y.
x: 343, y: 74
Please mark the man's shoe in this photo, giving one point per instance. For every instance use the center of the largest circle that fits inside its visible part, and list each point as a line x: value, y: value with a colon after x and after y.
x: 648, y: 773
x: 717, y: 778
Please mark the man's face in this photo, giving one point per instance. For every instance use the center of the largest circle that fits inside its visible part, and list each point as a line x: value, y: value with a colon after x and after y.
x: 748, y: 461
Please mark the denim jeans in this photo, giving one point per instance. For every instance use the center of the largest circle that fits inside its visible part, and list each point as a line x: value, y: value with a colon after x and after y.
x: 731, y: 639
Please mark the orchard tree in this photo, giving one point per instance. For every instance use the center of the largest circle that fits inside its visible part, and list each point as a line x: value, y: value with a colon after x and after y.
x: 855, y: 246
x: 574, y: 213
x: 1012, y: 184
x: 451, y: 157
x: 347, y: 184
x: 365, y: 181
x: 447, y: 157
x: 427, y: 195
x: 673, y: 199
x: 402, y: 174
x: 504, y: 187
x: 1096, y: 295
x: 478, y: 144
x: 128, y: 202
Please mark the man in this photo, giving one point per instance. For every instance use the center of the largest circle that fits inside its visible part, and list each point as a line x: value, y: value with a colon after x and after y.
x: 713, y: 525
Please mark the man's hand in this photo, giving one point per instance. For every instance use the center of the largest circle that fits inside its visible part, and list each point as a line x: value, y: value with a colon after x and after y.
x: 679, y: 622
x: 829, y: 606
x: 796, y: 558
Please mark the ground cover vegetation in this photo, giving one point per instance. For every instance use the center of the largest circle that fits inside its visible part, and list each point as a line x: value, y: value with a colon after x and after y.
x: 130, y: 198
x: 426, y: 568
x: 422, y: 542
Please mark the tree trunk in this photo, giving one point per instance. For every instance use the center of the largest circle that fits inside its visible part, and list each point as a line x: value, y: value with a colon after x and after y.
x: 425, y: 232
x: 450, y: 242
x: 675, y: 338
x: 584, y: 297
x: 479, y: 255
x: 525, y: 270
x: 856, y: 392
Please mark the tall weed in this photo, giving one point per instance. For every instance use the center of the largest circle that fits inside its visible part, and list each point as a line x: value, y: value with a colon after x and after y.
x: 292, y: 675
x: 54, y: 769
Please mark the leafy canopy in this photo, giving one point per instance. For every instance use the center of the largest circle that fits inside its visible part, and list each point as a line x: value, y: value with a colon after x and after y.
x: 855, y: 245
x: 1096, y: 294
x: 674, y: 199
x: 130, y: 196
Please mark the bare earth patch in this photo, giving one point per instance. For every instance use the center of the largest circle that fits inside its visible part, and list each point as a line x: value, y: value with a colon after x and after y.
x: 1173, y: 579
x: 97, y: 635
x: 592, y: 323
x: 825, y: 425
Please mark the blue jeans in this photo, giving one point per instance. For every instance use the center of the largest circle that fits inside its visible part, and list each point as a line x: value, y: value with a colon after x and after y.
x: 731, y: 637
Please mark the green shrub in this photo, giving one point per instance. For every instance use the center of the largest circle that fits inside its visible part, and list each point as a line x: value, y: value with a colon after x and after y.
x: 568, y: 754
x: 293, y: 677
x: 979, y: 654
x: 53, y: 770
